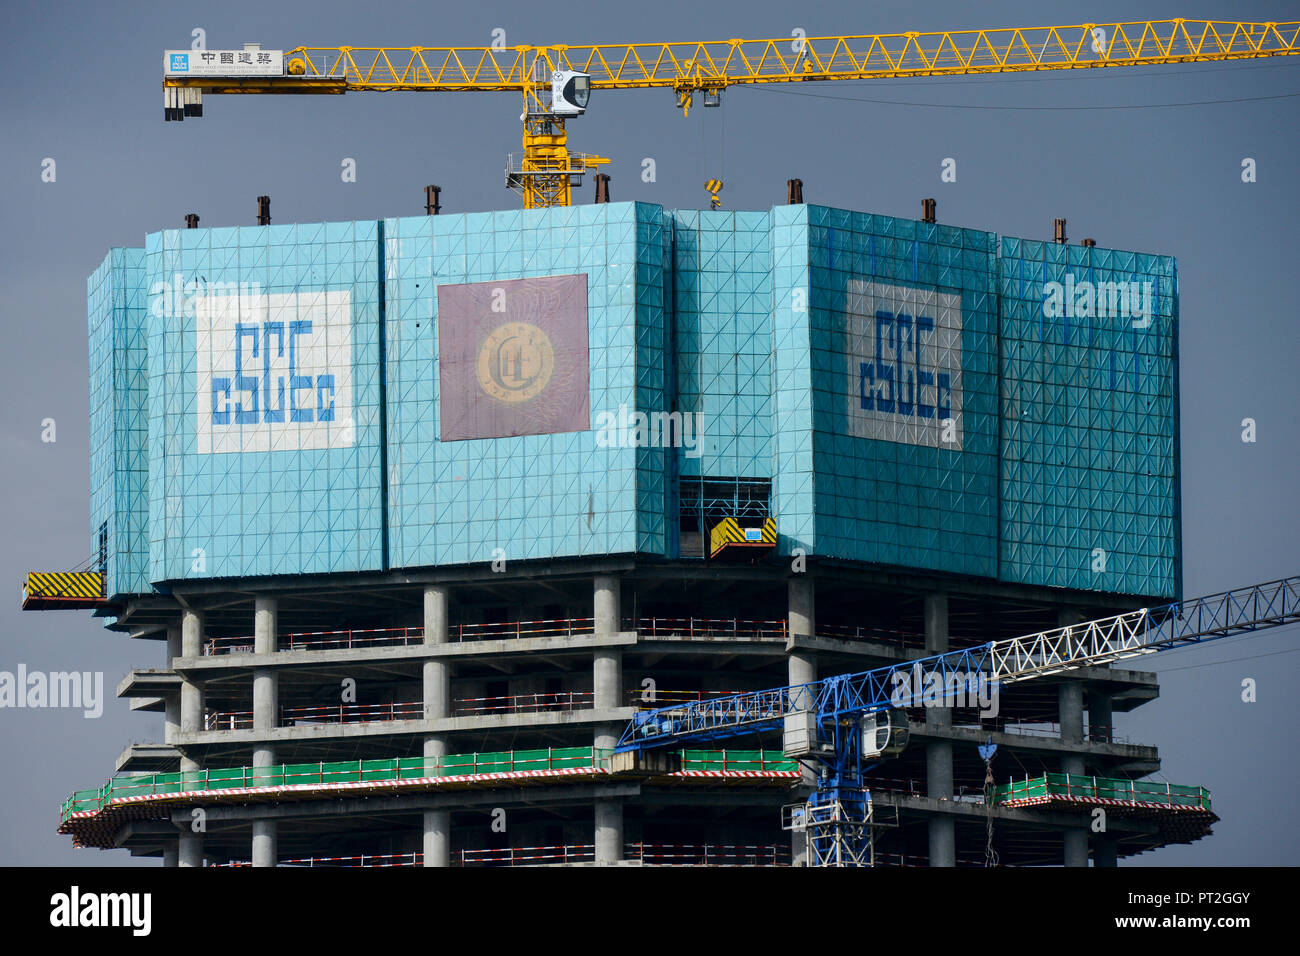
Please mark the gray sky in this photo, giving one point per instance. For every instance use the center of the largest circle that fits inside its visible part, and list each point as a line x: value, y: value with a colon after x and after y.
x: 83, y: 87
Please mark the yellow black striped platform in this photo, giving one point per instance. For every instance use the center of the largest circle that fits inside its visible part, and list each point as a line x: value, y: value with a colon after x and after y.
x: 727, y: 533
x: 43, y: 590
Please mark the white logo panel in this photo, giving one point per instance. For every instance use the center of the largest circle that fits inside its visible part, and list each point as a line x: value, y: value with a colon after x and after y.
x: 904, y: 364
x: 274, y: 371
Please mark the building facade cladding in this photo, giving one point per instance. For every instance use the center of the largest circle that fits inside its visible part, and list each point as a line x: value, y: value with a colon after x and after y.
x: 896, y: 309
x: 571, y: 493
x: 722, y: 310
x: 1089, y: 436
x: 119, y: 464
x: 274, y: 495
x: 908, y: 389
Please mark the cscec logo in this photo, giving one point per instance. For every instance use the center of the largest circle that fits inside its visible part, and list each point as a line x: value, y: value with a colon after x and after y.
x: 274, y: 371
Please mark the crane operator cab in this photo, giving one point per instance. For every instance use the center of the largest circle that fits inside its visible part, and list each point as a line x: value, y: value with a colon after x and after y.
x: 885, y: 733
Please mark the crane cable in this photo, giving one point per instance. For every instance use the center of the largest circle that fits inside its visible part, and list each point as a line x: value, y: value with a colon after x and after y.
x: 990, y: 855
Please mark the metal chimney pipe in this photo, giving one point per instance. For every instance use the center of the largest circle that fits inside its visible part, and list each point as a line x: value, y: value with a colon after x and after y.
x: 602, y: 187
x: 927, y: 210
x: 794, y: 192
x: 1059, y: 226
x: 431, y: 205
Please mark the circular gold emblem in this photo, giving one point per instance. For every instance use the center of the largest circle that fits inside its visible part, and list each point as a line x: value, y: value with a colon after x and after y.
x: 515, y: 362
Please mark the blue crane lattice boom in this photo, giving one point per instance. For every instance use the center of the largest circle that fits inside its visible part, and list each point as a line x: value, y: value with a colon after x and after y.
x: 1132, y: 634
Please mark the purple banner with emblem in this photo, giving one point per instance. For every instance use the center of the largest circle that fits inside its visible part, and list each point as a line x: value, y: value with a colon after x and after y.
x: 512, y: 358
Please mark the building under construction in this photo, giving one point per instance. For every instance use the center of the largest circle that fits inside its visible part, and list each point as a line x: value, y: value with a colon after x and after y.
x: 423, y: 511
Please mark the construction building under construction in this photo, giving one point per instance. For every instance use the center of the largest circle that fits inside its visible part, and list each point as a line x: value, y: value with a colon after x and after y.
x: 422, y: 511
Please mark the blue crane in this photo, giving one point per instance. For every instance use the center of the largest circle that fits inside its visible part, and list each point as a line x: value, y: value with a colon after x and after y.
x: 841, y: 725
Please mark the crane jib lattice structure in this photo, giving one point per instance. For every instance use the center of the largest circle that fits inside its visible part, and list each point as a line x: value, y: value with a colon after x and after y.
x: 841, y: 724
x: 548, y: 170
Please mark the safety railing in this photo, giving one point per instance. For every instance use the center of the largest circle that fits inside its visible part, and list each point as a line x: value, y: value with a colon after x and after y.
x: 363, y: 860
x: 517, y: 630
x: 650, y: 699
x: 709, y: 627
x: 320, y: 714
x: 1048, y: 726
x: 687, y: 627
x: 745, y: 761
x: 138, y: 786
x: 1103, y: 788
x: 649, y: 854
x: 321, y: 774
x: 320, y: 640
x: 709, y: 854
x: 526, y: 703
x: 881, y: 635
x: 527, y: 855
x: 402, y: 636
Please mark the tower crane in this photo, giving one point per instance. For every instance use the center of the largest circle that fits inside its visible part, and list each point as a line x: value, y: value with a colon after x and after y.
x: 841, y: 725
x: 556, y: 81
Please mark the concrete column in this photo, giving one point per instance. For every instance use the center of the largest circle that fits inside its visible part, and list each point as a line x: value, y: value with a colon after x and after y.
x: 266, y: 680
x: 437, y: 838
x: 609, y: 832
x: 265, y: 624
x: 437, y: 601
x: 943, y: 842
x: 607, y: 678
x: 1076, y: 847
x: 1105, y: 851
x: 264, y: 853
x: 607, y: 685
x: 1070, y: 705
x: 803, y: 608
x: 172, y: 702
x: 936, y: 642
x: 1070, y: 702
x: 938, y: 753
x: 437, y: 673
x: 266, y: 696
x: 191, y: 633
x: 437, y: 690
x: 171, y: 855
x: 191, y: 703
x: 938, y: 783
x: 437, y: 823
x: 801, y: 668
x: 189, y: 848
x: 435, y: 747
x: 1070, y: 708
x: 605, y: 604
x: 1101, y: 725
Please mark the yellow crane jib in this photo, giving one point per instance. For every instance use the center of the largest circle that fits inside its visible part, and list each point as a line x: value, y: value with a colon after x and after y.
x: 555, y: 81
x: 52, y: 590
x: 729, y: 536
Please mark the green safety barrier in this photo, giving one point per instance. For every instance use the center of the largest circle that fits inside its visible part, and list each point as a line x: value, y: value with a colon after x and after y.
x: 404, y: 768
x: 347, y: 771
x: 769, y: 760
x: 1108, y: 788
